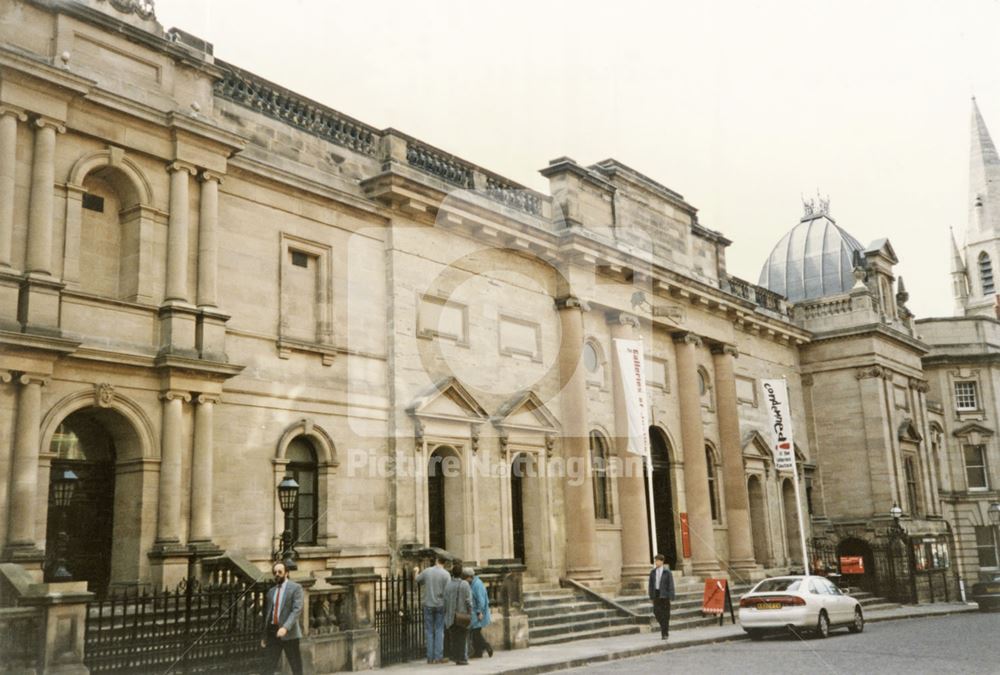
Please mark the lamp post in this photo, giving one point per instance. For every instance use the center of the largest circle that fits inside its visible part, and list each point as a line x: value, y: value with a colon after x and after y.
x: 63, y: 486
x: 288, y: 494
x: 994, y: 513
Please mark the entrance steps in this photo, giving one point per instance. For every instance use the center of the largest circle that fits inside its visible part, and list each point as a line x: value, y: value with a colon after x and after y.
x: 557, y: 615
x: 685, y: 610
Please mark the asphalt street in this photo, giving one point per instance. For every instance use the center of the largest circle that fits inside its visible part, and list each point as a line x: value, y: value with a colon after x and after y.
x: 966, y: 644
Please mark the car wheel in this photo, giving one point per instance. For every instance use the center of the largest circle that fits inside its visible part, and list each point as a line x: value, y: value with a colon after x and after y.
x: 858, y: 624
x: 755, y: 634
x: 823, y: 625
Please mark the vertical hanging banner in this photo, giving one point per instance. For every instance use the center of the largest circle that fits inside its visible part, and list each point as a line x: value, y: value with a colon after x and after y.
x: 780, y: 420
x: 631, y: 369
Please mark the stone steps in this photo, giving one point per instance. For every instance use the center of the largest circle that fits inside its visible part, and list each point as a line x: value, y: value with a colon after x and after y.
x: 557, y: 615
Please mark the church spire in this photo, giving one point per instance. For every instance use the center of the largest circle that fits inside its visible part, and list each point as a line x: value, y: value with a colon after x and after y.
x: 959, y: 279
x: 984, y: 170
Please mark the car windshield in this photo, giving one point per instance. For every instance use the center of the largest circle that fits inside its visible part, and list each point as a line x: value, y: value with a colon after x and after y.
x: 774, y: 585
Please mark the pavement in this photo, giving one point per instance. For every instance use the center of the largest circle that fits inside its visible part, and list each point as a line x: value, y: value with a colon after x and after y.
x: 548, y: 658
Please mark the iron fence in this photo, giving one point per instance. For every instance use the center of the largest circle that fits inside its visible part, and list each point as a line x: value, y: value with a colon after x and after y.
x: 191, y: 629
x: 399, y: 619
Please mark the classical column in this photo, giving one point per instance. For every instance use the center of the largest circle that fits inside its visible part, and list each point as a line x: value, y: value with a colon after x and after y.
x: 578, y: 488
x: 208, y: 225
x: 43, y: 175
x: 741, y: 556
x: 201, y: 469
x: 631, y: 482
x: 24, y: 468
x: 171, y: 449
x: 699, y: 510
x: 177, y: 232
x: 8, y: 163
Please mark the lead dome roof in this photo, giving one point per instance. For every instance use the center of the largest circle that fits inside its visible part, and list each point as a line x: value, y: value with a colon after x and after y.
x: 813, y: 260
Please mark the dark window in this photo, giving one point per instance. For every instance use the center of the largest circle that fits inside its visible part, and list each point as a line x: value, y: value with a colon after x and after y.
x: 713, y: 487
x: 599, y: 463
x: 986, y: 545
x: 93, y: 202
x: 302, y: 467
x: 300, y: 259
x: 809, y: 496
x: 986, y: 273
x: 975, y: 467
x: 909, y: 467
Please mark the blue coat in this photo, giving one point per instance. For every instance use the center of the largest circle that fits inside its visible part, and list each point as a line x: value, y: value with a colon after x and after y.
x: 480, y: 603
x: 666, y: 584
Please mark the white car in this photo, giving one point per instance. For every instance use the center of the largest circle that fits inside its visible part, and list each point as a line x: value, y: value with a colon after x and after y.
x: 805, y: 602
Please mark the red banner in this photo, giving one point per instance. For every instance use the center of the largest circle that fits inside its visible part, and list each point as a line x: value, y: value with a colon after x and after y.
x: 685, y: 536
x: 852, y: 564
x: 714, y: 600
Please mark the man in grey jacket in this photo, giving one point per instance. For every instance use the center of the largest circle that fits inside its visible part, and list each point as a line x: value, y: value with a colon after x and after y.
x: 434, y: 579
x: 458, y: 600
x: 282, y: 607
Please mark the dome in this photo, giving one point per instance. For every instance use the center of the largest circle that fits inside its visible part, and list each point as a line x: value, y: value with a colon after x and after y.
x: 814, y: 259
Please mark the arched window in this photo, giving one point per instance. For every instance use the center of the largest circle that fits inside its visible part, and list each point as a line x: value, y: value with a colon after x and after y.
x: 713, y: 485
x: 593, y: 363
x: 986, y: 273
x: 302, y: 467
x: 101, y: 239
x: 599, y: 464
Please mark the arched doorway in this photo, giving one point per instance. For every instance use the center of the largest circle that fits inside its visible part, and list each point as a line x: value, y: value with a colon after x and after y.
x: 663, y: 501
x: 758, y: 521
x: 860, y: 548
x: 445, y: 505
x: 794, y: 547
x: 83, y: 445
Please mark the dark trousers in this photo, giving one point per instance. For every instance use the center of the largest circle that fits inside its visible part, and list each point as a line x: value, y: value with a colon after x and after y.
x: 273, y: 649
x: 661, y: 609
x: 457, y: 639
x: 479, y: 643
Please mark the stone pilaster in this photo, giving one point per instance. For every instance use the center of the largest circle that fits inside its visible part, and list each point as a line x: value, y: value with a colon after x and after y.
x: 171, y: 451
x: 741, y: 556
x: 208, y: 225
x: 8, y: 162
x: 703, y: 558
x: 581, y: 532
x: 631, y: 483
x: 21, y: 535
x: 43, y: 172
x: 202, y: 465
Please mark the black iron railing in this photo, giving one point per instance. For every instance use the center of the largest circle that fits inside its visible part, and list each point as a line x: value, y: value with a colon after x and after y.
x: 192, y: 628
x: 399, y: 619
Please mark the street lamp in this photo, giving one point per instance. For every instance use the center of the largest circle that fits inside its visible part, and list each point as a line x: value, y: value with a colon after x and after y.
x: 63, y: 487
x: 288, y: 494
x: 895, y: 512
x: 994, y: 512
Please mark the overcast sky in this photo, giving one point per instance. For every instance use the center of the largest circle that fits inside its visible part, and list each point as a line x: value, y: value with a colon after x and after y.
x: 742, y: 107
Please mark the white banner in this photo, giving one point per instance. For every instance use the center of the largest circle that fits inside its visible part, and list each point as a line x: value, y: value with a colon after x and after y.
x: 631, y: 366
x: 780, y: 419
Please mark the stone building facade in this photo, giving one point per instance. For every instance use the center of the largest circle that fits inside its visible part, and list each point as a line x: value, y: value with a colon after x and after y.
x: 208, y: 282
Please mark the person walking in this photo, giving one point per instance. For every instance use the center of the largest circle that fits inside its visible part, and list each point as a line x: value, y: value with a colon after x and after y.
x: 480, y: 618
x: 282, y: 607
x: 458, y: 614
x: 661, y: 592
x: 434, y: 579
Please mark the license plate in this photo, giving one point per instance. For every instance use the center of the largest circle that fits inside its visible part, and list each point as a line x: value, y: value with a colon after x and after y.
x: 992, y: 588
x: 768, y: 605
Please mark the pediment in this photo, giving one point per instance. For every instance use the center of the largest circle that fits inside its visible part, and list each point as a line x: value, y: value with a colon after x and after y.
x: 526, y: 412
x: 972, y: 433
x: 448, y: 400
x: 755, y: 446
x: 908, y: 432
x: 883, y: 247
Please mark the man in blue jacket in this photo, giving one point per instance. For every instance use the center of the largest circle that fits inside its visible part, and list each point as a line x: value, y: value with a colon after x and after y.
x: 661, y: 592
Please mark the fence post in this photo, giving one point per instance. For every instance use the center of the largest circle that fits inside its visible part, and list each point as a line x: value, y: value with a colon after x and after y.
x: 358, y: 615
x: 64, y: 621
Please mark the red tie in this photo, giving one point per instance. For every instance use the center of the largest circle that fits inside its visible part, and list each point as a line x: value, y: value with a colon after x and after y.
x: 277, y: 603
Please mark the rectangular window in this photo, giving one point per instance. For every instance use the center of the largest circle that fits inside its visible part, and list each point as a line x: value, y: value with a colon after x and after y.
x: 300, y: 259
x: 986, y: 545
x: 93, y: 202
x: 965, y: 396
x: 975, y: 467
x: 912, y: 492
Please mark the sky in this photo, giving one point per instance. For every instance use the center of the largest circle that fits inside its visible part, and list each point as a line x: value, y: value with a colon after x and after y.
x: 742, y: 107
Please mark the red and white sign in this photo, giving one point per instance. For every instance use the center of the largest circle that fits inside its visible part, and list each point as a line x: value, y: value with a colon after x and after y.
x: 631, y: 368
x: 714, y: 599
x: 780, y: 422
x: 852, y: 564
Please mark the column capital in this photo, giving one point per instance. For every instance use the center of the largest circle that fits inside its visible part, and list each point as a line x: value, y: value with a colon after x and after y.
x: 873, y: 372
x: 723, y: 348
x: 621, y: 318
x: 206, y: 176
x: 6, y: 110
x: 572, y: 302
x: 204, y: 397
x: 174, y: 394
x: 686, y: 338
x: 33, y: 378
x: 179, y: 165
x: 41, y: 122
x: 919, y: 385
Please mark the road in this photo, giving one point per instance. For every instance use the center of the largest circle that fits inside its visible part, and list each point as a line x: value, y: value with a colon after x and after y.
x: 965, y: 643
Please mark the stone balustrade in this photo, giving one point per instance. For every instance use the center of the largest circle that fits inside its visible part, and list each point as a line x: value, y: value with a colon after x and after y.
x: 758, y: 295
x: 447, y: 168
